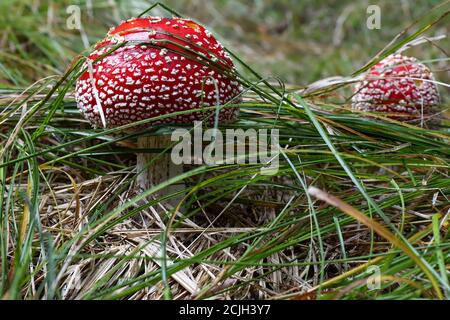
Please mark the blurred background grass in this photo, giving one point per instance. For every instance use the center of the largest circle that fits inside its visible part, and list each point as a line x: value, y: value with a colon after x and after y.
x: 298, y: 41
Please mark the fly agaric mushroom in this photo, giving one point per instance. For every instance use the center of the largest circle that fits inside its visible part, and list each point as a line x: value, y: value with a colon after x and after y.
x: 399, y: 87
x: 160, y: 66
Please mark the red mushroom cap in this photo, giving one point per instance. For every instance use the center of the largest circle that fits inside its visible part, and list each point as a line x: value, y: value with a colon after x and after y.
x: 400, y: 87
x: 174, y: 70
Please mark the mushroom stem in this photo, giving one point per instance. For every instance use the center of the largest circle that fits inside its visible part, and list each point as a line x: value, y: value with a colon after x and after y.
x: 160, y: 170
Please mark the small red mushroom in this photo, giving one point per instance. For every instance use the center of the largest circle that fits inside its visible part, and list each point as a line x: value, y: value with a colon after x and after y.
x: 164, y: 65
x: 400, y: 88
